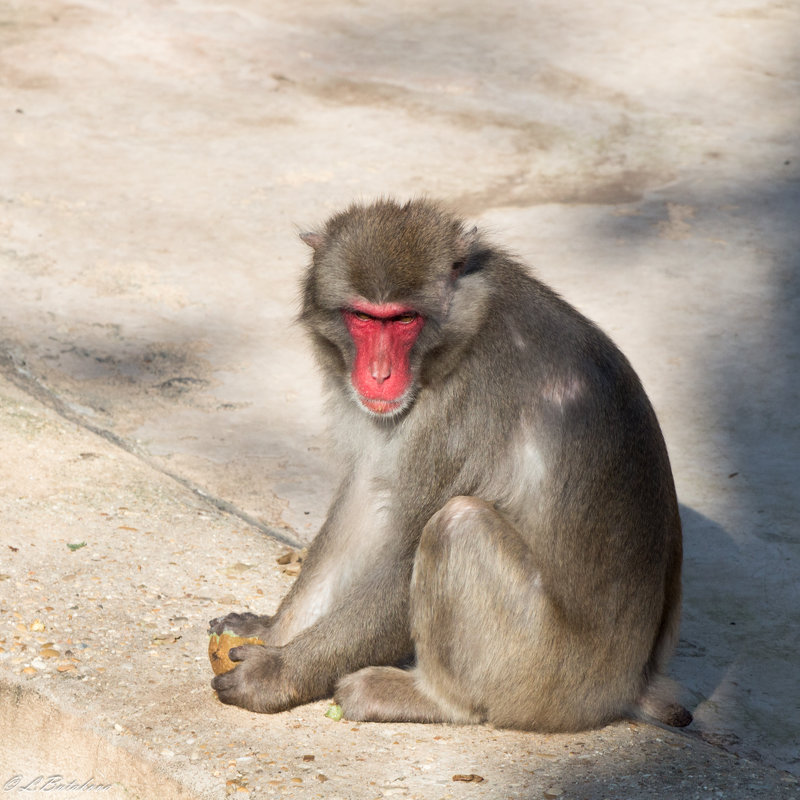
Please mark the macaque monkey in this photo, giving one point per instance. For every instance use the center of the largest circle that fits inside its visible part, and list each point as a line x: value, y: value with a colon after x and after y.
x: 506, y: 527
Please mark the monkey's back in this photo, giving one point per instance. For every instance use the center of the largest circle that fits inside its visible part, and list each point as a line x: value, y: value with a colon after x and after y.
x: 567, y: 447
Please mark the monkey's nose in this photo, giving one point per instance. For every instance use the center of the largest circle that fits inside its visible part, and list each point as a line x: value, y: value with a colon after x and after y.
x: 381, y: 369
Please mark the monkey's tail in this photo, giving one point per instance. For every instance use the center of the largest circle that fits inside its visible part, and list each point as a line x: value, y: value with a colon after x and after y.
x: 658, y: 698
x: 657, y: 702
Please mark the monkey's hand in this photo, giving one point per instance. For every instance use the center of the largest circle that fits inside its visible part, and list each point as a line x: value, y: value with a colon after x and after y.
x: 246, y: 625
x: 259, y: 682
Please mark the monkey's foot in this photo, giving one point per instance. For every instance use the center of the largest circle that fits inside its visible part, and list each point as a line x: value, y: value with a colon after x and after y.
x: 259, y: 682
x: 245, y: 624
x: 386, y: 694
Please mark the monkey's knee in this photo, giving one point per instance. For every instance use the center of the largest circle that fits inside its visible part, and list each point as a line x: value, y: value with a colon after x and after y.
x: 454, y: 520
x: 460, y: 508
x: 465, y: 532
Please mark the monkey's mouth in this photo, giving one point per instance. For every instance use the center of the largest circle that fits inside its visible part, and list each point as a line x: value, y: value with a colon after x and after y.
x: 381, y: 406
x: 384, y: 407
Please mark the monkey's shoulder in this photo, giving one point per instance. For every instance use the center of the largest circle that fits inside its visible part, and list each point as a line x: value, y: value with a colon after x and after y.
x: 554, y: 351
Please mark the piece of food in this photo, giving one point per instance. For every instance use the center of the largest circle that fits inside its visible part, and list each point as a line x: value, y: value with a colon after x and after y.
x: 218, y: 646
x: 292, y: 561
x: 334, y: 712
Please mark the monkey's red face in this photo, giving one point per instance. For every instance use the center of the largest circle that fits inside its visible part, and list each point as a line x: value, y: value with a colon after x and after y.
x: 383, y: 335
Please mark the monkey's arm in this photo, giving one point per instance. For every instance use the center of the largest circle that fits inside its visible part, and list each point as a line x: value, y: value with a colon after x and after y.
x: 368, y: 626
x: 326, y: 571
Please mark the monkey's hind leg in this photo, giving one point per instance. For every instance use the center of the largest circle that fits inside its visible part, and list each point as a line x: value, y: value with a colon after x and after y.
x: 478, y: 614
x: 474, y: 603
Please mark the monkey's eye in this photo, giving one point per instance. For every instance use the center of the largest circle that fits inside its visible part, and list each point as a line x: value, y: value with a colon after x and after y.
x: 406, y: 319
x: 361, y: 315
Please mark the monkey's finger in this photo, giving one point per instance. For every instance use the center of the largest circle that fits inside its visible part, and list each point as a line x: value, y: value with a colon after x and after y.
x: 230, y: 622
x: 227, y: 688
x: 243, y: 624
x: 241, y: 652
x: 216, y: 625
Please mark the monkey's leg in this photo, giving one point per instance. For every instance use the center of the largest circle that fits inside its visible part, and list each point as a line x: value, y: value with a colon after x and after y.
x: 368, y: 626
x: 475, y: 604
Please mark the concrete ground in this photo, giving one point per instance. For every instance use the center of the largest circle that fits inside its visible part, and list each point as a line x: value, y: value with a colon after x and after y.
x: 158, y: 404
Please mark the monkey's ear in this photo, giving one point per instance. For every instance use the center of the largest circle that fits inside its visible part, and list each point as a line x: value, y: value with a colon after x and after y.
x: 465, y: 249
x: 466, y: 240
x: 314, y: 240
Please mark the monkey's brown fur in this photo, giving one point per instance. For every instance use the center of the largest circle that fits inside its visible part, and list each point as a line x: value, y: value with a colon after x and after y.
x: 514, y: 528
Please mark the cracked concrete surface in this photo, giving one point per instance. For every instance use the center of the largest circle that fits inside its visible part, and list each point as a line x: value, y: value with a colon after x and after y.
x: 158, y: 403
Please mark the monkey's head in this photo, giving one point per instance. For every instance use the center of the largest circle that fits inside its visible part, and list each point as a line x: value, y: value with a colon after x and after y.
x: 388, y: 286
